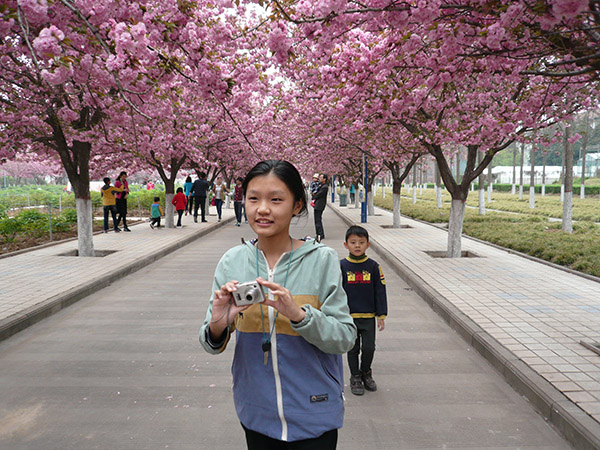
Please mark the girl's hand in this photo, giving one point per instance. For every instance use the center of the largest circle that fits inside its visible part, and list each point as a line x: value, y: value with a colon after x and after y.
x: 381, y: 324
x: 224, y: 309
x: 284, y: 303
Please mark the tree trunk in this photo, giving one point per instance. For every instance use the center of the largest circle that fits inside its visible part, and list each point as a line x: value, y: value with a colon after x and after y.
x: 544, y: 174
x: 532, y: 178
x: 169, y: 181
x: 414, y: 185
x: 490, y: 183
x: 438, y: 187
x: 455, y: 227
x: 521, y: 172
x: 514, y: 177
x: 396, y: 214
x: 481, y: 190
x: 77, y: 168
x: 584, y: 144
x: 567, y: 219
x: 562, y: 169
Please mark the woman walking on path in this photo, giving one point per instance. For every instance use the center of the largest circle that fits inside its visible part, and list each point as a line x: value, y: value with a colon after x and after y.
x: 219, y: 189
x: 238, y: 197
x: 121, y: 198
x: 287, y: 366
x: 187, y: 188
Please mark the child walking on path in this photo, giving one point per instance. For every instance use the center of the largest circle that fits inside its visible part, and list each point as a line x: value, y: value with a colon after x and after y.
x: 156, y: 213
x: 287, y: 366
x: 364, y: 284
x: 180, y: 202
x: 238, y: 197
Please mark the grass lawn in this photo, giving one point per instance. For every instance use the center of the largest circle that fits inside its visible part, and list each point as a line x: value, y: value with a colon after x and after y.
x: 528, y: 231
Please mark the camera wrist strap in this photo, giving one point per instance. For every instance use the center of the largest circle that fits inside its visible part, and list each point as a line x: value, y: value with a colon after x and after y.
x: 266, y: 344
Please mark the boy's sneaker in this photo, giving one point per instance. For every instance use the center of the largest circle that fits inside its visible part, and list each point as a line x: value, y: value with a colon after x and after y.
x: 151, y: 225
x: 356, y: 385
x: 367, y: 378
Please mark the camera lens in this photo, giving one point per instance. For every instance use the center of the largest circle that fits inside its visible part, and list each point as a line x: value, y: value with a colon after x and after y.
x: 249, y: 297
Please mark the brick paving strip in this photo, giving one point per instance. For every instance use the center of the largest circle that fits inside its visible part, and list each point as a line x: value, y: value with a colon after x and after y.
x: 525, y: 316
x: 39, y: 283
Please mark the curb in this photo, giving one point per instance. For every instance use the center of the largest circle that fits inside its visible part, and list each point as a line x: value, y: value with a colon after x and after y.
x: 18, y: 322
x: 572, y: 422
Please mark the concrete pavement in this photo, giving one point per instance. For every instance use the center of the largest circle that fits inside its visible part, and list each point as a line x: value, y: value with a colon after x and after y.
x: 525, y: 316
x: 122, y: 369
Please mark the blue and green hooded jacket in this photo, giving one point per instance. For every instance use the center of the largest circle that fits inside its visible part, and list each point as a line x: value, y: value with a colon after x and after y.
x: 298, y: 393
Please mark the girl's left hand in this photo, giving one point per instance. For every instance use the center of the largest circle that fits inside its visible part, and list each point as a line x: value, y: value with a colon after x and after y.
x: 284, y: 302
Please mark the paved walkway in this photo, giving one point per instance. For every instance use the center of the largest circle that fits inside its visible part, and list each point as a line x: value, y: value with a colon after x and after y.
x: 526, y: 317
x: 123, y: 369
x: 38, y: 283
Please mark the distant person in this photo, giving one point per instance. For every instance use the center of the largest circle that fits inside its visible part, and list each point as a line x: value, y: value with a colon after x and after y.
x: 107, y: 192
x: 198, y: 191
x: 352, y: 193
x: 364, y: 284
x: 156, y: 213
x: 122, y: 200
x: 287, y: 366
x: 314, y: 185
x: 238, y: 198
x: 320, y: 199
x: 180, y: 202
x: 187, y: 187
x: 149, y: 185
x: 219, y: 190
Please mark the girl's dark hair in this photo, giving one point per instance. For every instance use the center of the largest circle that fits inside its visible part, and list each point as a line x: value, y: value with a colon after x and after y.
x: 283, y: 170
x: 179, y: 189
x: 188, y: 179
x: 121, y: 174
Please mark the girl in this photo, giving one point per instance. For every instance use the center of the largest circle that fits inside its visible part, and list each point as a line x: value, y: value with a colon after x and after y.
x: 180, y: 202
x: 219, y: 189
x: 287, y: 366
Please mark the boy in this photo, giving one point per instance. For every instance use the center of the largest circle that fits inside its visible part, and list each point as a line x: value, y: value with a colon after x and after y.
x: 364, y: 284
x: 109, y: 203
x: 156, y: 213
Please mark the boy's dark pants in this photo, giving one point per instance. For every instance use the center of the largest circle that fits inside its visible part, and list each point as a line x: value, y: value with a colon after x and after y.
x: 365, y: 332
x: 112, y: 209
x: 155, y: 221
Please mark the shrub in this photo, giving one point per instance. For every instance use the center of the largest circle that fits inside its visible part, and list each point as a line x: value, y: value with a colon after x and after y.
x: 9, y: 228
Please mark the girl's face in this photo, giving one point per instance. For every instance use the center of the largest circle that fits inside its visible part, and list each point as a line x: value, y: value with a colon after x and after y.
x: 270, y: 206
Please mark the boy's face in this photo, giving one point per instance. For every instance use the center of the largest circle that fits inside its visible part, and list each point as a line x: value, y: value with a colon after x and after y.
x: 356, y: 245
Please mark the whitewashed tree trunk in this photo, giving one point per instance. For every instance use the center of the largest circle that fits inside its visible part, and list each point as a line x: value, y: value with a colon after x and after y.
x: 414, y: 194
x: 543, y: 190
x: 531, y: 197
x: 382, y: 190
x: 532, y: 177
x: 85, y: 231
x: 567, y: 219
x: 544, y: 175
x: 370, y: 203
x: 438, y: 196
x: 482, y: 202
x: 396, y: 212
x: 455, y: 227
x: 169, y: 211
x: 562, y: 193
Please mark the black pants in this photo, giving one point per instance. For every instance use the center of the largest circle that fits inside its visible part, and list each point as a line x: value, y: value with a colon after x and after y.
x: 365, y: 333
x: 319, y: 223
x: 258, y: 441
x: 219, y: 205
x: 155, y: 221
x: 200, y: 201
x: 113, y: 212
x: 122, y: 211
x: 179, y: 213
x: 237, y: 207
x: 190, y: 204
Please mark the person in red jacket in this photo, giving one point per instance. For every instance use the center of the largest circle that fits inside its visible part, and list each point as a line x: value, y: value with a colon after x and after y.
x: 180, y: 202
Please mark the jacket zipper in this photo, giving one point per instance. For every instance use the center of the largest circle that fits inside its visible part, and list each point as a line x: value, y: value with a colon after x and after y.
x: 274, y: 359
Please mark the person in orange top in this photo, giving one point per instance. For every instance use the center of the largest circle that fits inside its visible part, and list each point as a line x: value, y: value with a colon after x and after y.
x: 108, y: 202
x: 180, y: 201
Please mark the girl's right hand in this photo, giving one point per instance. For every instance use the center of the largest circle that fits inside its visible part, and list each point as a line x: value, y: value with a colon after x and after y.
x: 224, y: 308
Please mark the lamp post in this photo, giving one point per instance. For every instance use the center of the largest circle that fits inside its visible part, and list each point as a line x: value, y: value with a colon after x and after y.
x: 363, y: 205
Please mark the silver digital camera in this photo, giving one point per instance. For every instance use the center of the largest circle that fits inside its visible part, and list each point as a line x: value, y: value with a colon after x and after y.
x: 248, y: 293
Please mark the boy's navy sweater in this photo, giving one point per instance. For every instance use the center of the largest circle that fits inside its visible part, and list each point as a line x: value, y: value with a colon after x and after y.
x: 364, y: 284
